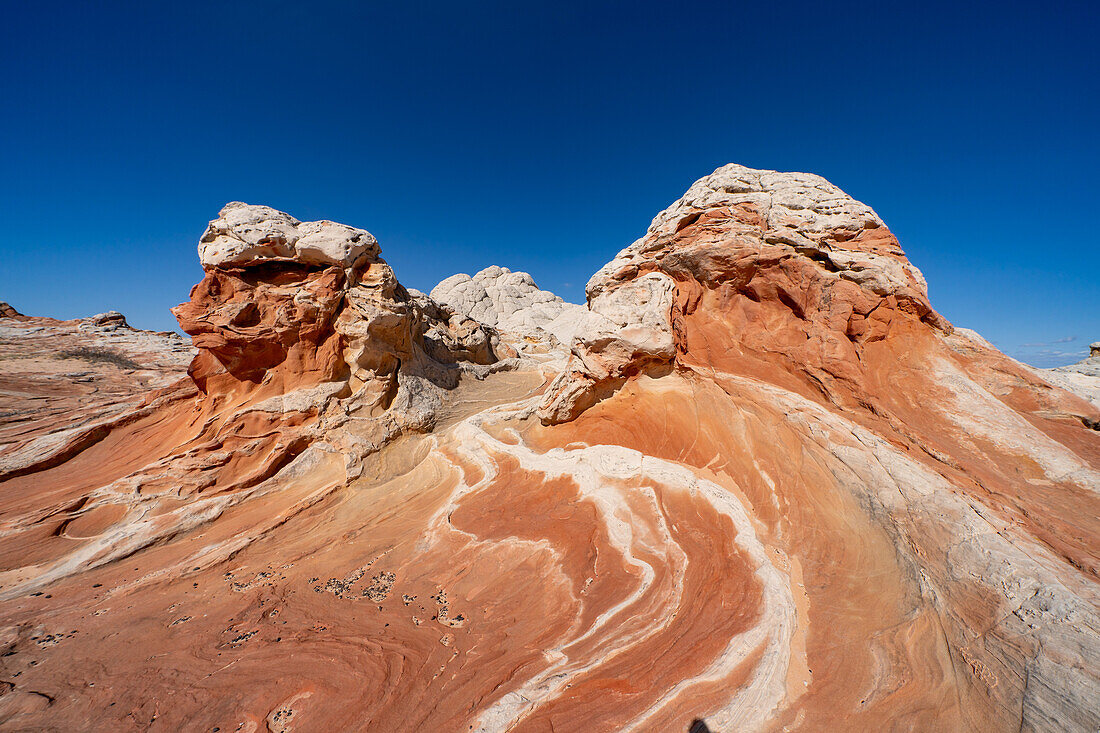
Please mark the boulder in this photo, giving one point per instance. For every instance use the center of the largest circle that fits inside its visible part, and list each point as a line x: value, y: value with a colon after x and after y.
x: 245, y: 234
x: 112, y: 319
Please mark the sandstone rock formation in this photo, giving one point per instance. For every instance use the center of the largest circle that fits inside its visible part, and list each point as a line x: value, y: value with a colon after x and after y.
x: 59, y: 377
x: 305, y: 345
x: 286, y: 305
x: 765, y: 240
x: 771, y: 489
x: 512, y: 303
x: 1082, y: 378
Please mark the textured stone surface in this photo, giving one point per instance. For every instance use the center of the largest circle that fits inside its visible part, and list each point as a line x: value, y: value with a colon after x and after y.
x: 57, y: 376
x: 771, y: 490
x: 789, y: 237
x: 245, y: 234
x: 511, y: 302
x: 286, y: 305
x: 1082, y: 378
x: 629, y: 331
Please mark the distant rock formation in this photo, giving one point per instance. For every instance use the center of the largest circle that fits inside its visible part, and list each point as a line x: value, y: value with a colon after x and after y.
x: 1082, y: 378
x: 7, y: 311
x: 756, y: 483
x: 61, y: 380
x: 513, y: 304
x: 110, y: 320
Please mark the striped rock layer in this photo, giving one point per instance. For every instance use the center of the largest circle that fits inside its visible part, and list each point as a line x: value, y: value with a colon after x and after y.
x: 764, y: 487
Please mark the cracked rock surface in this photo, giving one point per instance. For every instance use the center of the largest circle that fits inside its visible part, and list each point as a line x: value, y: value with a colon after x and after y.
x: 755, y: 483
x: 512, y: 303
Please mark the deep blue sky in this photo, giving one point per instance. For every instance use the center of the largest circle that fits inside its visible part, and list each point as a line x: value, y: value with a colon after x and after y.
x: 545, y: 137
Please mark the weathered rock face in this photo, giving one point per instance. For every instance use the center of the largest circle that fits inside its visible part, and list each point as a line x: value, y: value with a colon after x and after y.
x: 763, y: 298
x: 306, y: 349
x: 770, y: 490
x: 452, y: 335
x: 1082, y: 378
x: 764, y: 240
x: 245, y: 235
x: 56, y: 376
x: 513, y: 304
x: 287, y: 305
x: 248, y: 322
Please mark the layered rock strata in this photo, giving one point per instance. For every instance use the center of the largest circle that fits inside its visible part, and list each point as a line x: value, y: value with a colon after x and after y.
x: 771, y: 490
x: 304, y: 343
x: 60, y: 379
x: 764, y: 241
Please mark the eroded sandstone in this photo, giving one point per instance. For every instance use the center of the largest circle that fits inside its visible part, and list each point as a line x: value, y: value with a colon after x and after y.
x: 513, y: 304
x: 791, y: 240
x: 770, y: 489
x: 1082, y: 378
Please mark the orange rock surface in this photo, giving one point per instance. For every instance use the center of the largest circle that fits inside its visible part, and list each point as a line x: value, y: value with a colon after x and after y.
x: 769, y: 488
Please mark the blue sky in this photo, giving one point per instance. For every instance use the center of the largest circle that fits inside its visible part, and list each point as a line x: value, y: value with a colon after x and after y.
x: 544, y: 137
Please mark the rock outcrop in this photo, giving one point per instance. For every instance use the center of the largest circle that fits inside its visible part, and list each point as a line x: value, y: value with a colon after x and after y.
x: 778, y: 290
x: 296, y: 304
x: 514, y: 305
x: 287, y: 305
x: 791, y: 240
x: 770, y: 488
x: 59, y: 376
x: 306, y: 348
x: 1082, y: 378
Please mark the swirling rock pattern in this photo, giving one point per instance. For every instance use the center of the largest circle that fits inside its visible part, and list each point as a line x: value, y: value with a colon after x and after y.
x: 771, y: 489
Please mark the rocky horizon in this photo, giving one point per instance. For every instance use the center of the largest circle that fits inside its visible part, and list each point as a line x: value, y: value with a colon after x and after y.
x: 755, y: 482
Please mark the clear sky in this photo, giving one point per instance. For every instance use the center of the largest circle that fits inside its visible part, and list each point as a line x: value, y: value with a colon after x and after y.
x: 545, y: 136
